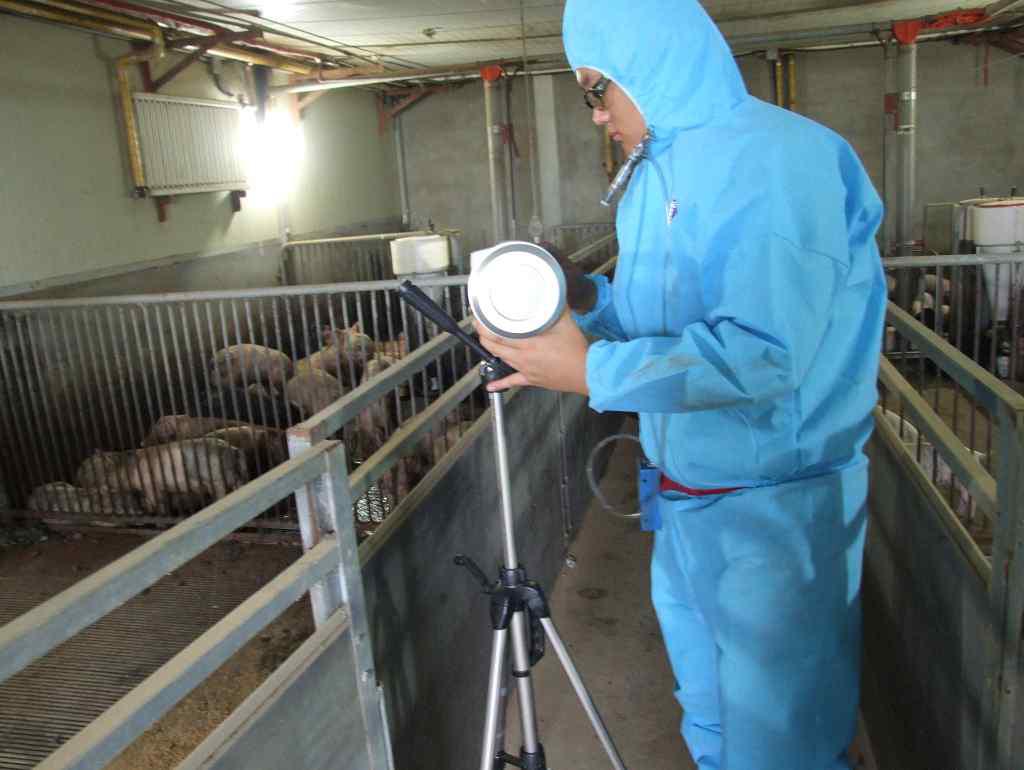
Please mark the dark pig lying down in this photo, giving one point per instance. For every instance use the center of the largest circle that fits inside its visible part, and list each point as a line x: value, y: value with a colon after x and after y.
x: 198, y: 470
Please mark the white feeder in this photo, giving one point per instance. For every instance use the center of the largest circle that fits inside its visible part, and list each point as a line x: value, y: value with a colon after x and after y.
x: 420, y: 255
x: 997, y: 228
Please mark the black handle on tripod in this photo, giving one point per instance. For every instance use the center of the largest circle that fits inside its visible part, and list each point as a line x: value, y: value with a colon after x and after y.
x: 414, y: 295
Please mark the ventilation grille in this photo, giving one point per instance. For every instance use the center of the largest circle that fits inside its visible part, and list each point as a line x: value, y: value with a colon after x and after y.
x: 190, y: 145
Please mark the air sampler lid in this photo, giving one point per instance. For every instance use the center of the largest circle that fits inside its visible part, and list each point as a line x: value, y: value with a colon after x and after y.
x: 516, y: 289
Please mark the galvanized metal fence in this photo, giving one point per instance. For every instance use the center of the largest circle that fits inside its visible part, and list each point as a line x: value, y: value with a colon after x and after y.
x: 400, y: 422
x: 353, y: 706
x: 142, y: 409
x: 352, y: 258
x: 948, y: 428
x: 961, y: 430
x: 136, y: 411
x: 598, y: 256
x: 973, y: 301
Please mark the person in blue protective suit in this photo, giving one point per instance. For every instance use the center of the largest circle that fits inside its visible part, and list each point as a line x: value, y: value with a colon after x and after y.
x: 744, y: 325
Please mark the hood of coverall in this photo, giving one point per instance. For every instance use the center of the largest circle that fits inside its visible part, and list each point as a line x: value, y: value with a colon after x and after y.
x: 667, y: 55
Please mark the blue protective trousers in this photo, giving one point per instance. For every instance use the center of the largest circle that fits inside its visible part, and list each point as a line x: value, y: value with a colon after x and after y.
x: 758, y: 596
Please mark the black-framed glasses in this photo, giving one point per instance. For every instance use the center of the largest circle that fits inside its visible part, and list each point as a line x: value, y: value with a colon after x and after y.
x: 594, y: 96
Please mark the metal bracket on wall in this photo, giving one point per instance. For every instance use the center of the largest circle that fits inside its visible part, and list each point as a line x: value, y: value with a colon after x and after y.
x: 162, y: 202
x: 202, y: 45
x: 409, y: 96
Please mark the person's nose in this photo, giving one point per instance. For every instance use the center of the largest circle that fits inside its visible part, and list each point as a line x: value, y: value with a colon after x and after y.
x: 599, y: 116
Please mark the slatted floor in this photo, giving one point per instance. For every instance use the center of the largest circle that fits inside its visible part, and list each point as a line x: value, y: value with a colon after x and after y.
x: 47, y: 703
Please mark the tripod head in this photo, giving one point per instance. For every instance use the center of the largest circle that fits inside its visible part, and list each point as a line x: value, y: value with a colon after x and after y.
x: 494, y: 368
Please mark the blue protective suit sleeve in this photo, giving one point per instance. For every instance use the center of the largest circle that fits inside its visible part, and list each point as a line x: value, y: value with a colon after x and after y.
x: 602, y: 321
x: 766, y: 313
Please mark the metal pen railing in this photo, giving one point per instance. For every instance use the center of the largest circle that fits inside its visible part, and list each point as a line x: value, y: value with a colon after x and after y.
x: 973, y: 301
x: 942, y: 409
x: 137, y: 410
x: 573, y: 237
x: 352, y: 258
x: 95, y: 388
x: 334, y: 561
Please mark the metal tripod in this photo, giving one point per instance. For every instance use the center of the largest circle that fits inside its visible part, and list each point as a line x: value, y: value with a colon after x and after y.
x: 518, y: 607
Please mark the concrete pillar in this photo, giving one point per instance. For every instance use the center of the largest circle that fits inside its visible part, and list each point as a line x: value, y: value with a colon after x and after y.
x: 548, y: 161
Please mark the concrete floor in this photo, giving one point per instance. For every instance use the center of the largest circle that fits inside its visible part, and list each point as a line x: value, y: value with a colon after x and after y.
x: 603, y: 611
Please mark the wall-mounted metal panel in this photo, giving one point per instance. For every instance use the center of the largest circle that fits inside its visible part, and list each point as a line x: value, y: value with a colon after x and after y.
x: 190, y: 145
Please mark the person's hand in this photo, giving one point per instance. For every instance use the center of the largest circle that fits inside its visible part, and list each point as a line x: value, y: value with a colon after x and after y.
x: 555, y: 360
x: 580, y: 293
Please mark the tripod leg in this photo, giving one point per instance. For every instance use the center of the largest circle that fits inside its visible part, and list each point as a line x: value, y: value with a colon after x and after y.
x: 524, y: 684
x: 581, y: 692
x: 500, y: 741
x: 494, y: 700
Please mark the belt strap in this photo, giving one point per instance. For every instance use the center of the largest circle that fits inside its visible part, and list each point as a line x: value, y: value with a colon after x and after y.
x: 668, y: 485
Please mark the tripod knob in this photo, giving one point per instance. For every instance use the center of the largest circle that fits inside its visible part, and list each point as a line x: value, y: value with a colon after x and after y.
x: 461, y: 560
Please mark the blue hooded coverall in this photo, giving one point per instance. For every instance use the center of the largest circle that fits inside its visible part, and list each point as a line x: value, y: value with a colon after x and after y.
x: 744, y: 325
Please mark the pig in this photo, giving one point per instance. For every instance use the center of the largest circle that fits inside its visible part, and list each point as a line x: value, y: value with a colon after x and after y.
x: 263, y: 447
x: 313, y: 391
x: 103, y: 470
x: 932, y: 462
x: 198, y: 469
x: 444, y: 442
x: 65, y: 498
x: 373, y: 424
x: 250, y: 408
x: 344, y: 355
x: 241, y: 365
x: 345, y: 365
x: 350, y: 339
x: 176, y: 427
x: 259, y: 390
x: 395, y: 349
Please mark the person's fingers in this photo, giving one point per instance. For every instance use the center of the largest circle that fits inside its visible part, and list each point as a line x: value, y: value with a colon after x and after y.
x: 512, y: 381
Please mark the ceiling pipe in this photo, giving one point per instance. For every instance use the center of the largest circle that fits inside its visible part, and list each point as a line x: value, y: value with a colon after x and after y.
x: 205, y: 26
x: 159, y: 15
x: 125, y: 27
x: 97, y: 20
x: 907, y: 135
x: 155, y: 52
x: 491, y: 77
x: 271, y: 60
x: 447, y: 75
x: 468, y: 41
x: 830, y: 33
x: 223, y: 51
x: 925, y: 37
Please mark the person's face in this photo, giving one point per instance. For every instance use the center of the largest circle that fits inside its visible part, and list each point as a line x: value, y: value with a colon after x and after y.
x: 614, y: 110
